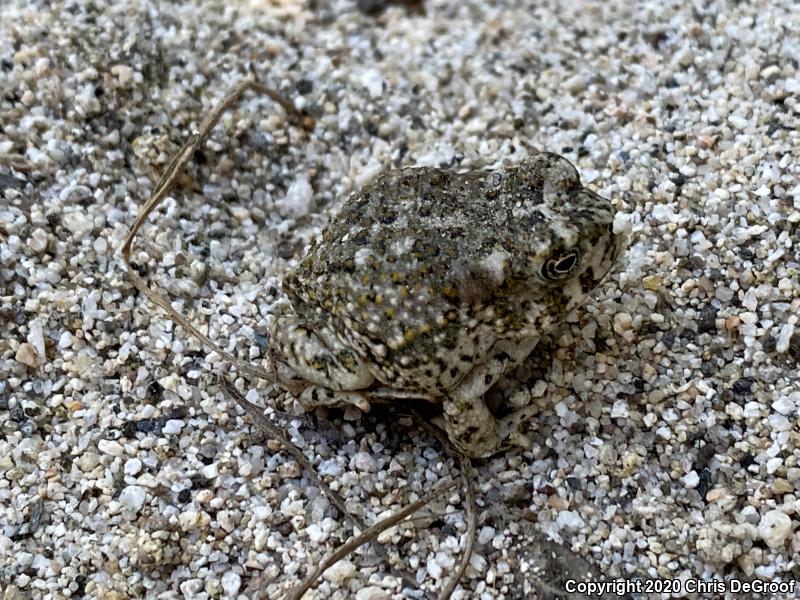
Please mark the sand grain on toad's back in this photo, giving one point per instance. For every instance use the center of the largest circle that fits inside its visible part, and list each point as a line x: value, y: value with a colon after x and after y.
x: 684, y: 114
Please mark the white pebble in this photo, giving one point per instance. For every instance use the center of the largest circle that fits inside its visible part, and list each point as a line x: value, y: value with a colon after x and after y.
x: 485, y: 535
x: 110, y: 447
x: 748, y: 318
x: 780, y: 422
x: 773, y: 464
x: 77, y: 222
x: 784, y: 405
x: 372, y: 80
x: 369, y: 172
x: 315, y: 533
x: 133, y: 466
x: 775, y: 528
x: 622, y: 322
x: 569, y: 519
x: 210, y: 471
x: 739, y: 122
x: 132, y: 497
x: 724, y: 293
x: 445, y: 560
x: 749, y: 514
x: 330, y: 468
x: 65, y: 340
x: 364, y: 462
x: 665, y: 213
x: 191, y: 587
x: 750, y: 302
x: 620, y: 409
x: 297, y: 201
x: 691, y: 479
x: 340, y: 572
x: 371, y: 593
x: 100, y: 245
x: 88, y: 461
x: 173, y: 426
x: 752, y: 409
x: 38, y: 240
x: 784, y: 337
x: 231, y: 582
x: 434, y: 568
x: 787, y: 405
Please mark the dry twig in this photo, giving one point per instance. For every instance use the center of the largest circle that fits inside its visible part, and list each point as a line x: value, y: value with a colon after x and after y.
x: 371, y: 533
x: 273, y: 431
x: 167, y: 181
x: 467, y: 476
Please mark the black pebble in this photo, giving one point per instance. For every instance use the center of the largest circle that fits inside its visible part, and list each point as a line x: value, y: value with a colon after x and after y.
x: 707, y: 320
x: 742, y: 386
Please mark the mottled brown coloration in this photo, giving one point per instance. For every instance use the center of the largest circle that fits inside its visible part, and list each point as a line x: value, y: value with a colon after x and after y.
x: 435, y: 283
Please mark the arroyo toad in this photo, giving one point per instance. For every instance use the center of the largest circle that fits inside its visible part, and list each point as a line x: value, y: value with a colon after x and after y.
x: 432, y: 284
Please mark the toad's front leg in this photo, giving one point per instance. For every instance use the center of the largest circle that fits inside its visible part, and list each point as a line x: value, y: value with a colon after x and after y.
x: 470, y: 425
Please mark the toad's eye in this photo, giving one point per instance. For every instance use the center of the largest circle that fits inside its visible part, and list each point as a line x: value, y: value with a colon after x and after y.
x: 559, y: 267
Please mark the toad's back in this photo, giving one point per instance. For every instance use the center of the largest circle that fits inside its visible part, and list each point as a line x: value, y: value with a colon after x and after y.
x: 422, y: 271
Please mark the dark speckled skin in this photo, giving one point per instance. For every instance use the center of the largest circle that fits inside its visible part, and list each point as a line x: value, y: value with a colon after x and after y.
x: 435, y: 282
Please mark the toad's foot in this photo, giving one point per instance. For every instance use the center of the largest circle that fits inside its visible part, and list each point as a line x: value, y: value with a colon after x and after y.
x: 486, y: 434
x: 315, y: 396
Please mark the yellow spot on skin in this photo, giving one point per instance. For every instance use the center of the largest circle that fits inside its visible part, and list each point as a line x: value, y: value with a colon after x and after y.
x: 378, y: 298
x: 365, y: 280
x: 403, y: 291
x: 389, y: 312
x: 397, y: 277
x: 424, y: 328
x: 409, y: 335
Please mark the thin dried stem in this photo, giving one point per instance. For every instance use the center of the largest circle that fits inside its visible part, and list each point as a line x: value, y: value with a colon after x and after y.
x: 273, y: 431
x: 373, y: 532
x: 467, y: 477
x: 165, y: 184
